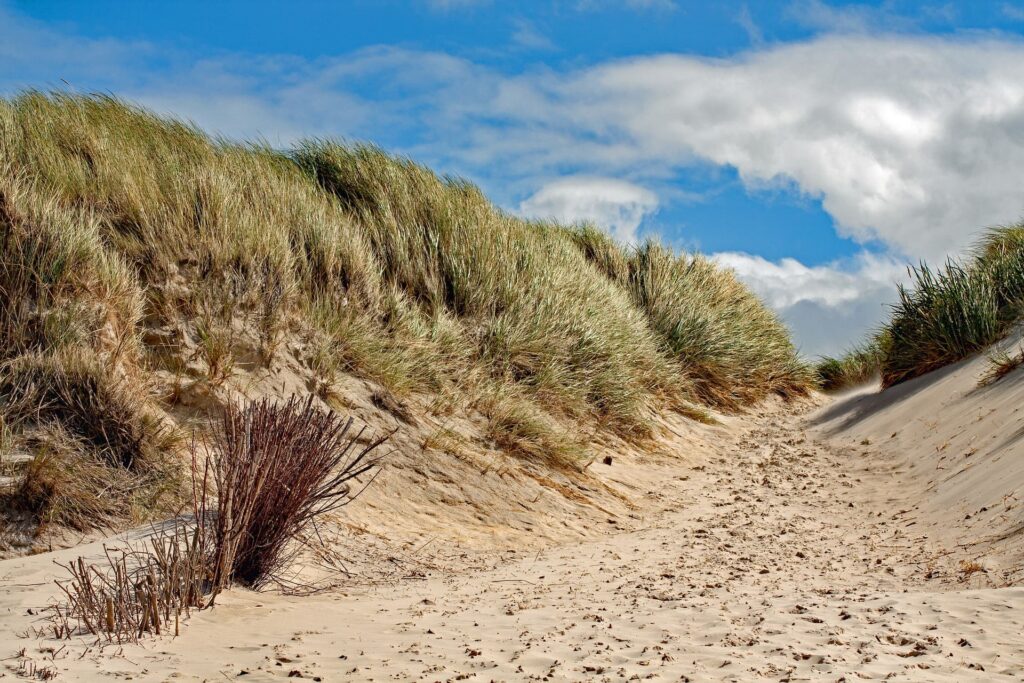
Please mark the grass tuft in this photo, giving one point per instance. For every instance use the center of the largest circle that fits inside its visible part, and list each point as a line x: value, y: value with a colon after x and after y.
x: 860, y: 365
x: 1001, y: 364
x: 945, y: 315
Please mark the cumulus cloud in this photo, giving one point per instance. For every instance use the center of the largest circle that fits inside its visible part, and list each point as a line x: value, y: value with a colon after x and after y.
x: 616, y: 205
x: 913, y: 142
x: 828, y: 307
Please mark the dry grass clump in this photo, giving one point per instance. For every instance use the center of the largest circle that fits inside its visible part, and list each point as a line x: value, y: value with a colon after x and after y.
x: 139, y: 590
x: 65, y: 483
x: 98, y: 455
x: 515, y: 427
x: 88, y: 399
x: 117, y: 225
x: 1001, y: 364
x: 276, y: 467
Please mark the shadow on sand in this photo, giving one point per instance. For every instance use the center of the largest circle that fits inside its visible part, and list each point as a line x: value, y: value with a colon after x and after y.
x: 847, y: 412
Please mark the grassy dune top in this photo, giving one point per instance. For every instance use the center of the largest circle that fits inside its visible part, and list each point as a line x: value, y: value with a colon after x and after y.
x: 944, y: 316
x: 117, y: 225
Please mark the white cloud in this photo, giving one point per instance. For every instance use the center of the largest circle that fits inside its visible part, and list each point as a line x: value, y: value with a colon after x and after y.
x: 829, y: 307
x: 910, y: 141
x: 787, y: 281
x: 527, y: 36
x: 613, y: 204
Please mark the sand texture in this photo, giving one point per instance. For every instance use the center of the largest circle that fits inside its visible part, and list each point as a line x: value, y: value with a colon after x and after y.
x: 875, y: 537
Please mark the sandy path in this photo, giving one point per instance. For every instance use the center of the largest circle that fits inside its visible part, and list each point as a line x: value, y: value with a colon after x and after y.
x: 787, y: 560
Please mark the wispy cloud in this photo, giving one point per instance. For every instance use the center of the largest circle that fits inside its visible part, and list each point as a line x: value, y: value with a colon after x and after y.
x: 615, y: 205
x: 639, y: 5
x: 1014, y: 12
x: 851, y: 18
x: 749, y: 26
x: 662, y: 5
x: 448, y: 5
x: 526, y: 35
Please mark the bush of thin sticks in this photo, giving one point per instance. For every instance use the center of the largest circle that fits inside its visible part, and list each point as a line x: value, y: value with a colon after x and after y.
x: 140, y: 590
x: 270, y: 470
x: 276, y: 467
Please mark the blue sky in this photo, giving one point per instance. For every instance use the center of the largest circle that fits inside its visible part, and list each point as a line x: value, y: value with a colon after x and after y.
x: 814, y: 147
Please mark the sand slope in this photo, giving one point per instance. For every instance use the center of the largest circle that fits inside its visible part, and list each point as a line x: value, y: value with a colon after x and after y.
x: 779, y: 546
x: 957, y: 450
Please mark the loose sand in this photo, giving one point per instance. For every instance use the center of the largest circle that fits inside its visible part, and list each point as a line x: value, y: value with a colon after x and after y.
x: 827, y: 544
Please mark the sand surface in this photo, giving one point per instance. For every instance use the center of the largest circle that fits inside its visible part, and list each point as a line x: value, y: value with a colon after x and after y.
x: 792, y: 547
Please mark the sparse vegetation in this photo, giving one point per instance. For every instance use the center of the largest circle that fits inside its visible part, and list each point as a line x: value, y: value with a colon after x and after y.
x: 139, y: 257
x: 142, y: 589
x: 272, y: 469
x: 1002, y: 363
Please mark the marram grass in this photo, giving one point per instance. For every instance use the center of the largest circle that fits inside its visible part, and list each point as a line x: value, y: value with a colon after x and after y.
x: 945, y: 315
x: 860, y: 365
x: 115, y: 223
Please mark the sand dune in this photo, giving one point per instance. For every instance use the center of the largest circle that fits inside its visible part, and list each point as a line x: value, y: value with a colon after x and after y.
x: 874, y: 537
x: 957, y: 448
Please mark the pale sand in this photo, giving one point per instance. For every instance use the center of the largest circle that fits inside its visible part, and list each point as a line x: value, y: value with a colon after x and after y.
x: 778, y: 547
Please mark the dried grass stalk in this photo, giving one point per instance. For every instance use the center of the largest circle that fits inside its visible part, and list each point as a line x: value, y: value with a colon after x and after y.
x: 276, y: 467
x: 139, y: 590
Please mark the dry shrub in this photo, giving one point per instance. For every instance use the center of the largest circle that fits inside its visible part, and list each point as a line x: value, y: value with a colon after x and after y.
x: 138, y: 590
x: 276, y: 467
